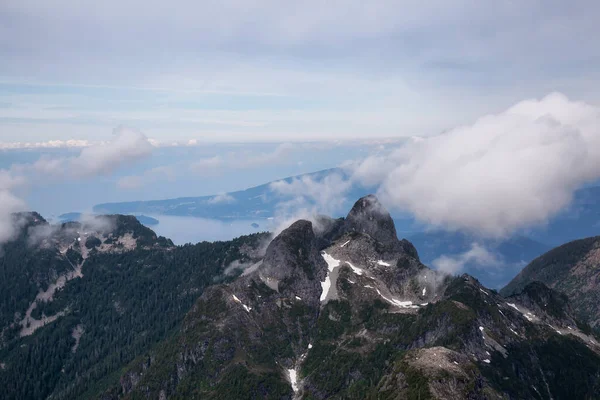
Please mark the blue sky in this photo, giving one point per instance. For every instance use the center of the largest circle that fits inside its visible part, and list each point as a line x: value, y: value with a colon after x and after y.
x: 282, y: 71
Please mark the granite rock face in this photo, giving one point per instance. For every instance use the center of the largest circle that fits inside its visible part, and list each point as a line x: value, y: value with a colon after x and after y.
x: 293, y: 265
x: 369, y: 217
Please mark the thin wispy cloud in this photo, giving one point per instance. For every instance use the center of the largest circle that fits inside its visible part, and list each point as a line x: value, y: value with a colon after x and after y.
x: 222, y: 198
x: 230, y: 71
x: 476, y: 255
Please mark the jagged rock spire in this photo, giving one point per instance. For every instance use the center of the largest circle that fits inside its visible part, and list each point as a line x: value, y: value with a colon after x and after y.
x: 368, y: 216
x: 293, y: 260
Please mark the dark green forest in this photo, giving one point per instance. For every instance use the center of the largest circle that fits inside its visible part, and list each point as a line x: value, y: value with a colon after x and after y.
x: 126, y: 302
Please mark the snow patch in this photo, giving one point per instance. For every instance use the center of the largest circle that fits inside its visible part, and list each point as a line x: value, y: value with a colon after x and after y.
x: 513, y: 306
x: 486, y: 361
x: 298, y: 298
x: 385, y: 264
x: 529, y: 316
x: 293, y: 379
x: 424, y: 291
x: 326, y: 284
x: 240, y: 302
x: 344, y: 245
x: 483, y: 291
x: 309, y: 346
x: 557, y: 331
x: 356, y: 270
x: 396, y: 302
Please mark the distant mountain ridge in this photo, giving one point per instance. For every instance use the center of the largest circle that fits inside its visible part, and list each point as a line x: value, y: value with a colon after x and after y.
x: 581, y: 219
x: 256, y: 202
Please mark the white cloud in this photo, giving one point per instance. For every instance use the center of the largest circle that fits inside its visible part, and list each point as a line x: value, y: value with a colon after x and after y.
x: 323, y: 195
x: 89, y: 223
x: 504, y: 172
x: 8, y: 205
x: 313, y: 69
x: 222, y: 198
x: 51, y: 144
x: 8, y: 180
x: 307, y: 198
x: 477, y: 254
x: 127, y: 146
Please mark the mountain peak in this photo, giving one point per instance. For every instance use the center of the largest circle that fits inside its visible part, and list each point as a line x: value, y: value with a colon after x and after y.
x: 292, y: 261
x: 368, y: 216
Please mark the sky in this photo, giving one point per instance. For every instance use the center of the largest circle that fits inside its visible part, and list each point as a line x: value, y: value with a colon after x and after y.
x: 477, y: 116
x: 237, y: 71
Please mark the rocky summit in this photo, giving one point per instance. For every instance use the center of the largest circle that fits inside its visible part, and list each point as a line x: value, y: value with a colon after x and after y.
x: 345, y: 310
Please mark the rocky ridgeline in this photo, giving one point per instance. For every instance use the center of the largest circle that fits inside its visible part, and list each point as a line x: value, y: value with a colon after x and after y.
x: 350, y: 312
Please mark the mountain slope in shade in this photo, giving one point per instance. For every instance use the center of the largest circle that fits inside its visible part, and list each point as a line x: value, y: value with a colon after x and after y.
x: 350, y: 312
x: 573, y: 269
x: 78, y: 301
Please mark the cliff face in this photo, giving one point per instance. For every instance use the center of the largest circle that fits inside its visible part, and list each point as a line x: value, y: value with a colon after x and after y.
x: 356, y: 315
x: 572, y: 269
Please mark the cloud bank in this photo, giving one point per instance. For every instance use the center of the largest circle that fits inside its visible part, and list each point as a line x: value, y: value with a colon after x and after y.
x: 50, y: 144
x: 504, y: 172
x: 8, y: 205
x: 126, y: 147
